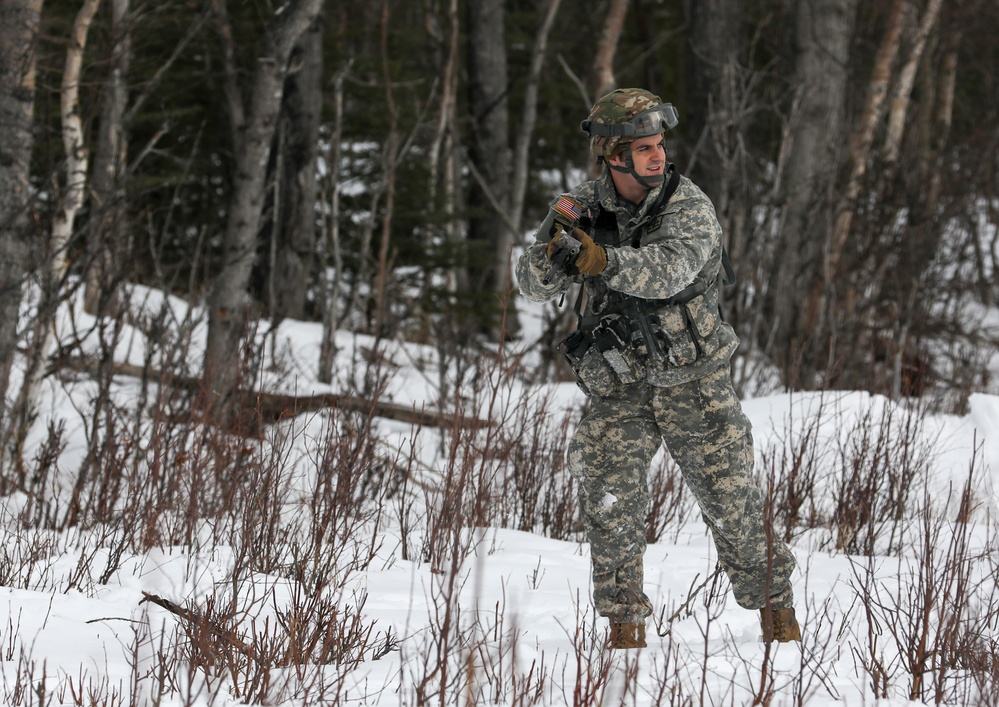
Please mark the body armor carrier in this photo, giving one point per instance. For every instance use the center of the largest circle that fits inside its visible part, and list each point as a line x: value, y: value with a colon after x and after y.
x: 627, y: 333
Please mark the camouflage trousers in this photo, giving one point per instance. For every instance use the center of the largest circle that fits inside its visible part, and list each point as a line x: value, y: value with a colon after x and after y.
x: 709, y: 436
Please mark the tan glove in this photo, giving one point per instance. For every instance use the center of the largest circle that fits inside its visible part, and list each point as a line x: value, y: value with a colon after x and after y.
x: 592, y: 258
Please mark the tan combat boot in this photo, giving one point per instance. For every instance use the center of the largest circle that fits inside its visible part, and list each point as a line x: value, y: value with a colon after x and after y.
x: 779, y: 625
x: 626, y: 635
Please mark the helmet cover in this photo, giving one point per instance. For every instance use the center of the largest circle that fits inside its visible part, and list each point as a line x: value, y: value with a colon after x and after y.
x: 623, y: 115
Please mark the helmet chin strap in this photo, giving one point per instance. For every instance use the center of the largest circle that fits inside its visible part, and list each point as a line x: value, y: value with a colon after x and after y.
x: 650, y: 182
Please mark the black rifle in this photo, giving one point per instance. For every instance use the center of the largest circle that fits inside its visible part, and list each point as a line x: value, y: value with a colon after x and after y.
x: 561, y: 222
x: 564, y: 256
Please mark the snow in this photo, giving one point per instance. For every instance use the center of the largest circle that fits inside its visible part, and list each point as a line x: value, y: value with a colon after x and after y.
x: 494, y: 615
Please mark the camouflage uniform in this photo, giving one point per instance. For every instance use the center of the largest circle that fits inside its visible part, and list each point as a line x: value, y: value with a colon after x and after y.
x: 657, y: 258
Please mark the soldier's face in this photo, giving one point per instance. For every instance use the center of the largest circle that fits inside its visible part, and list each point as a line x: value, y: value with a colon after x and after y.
x: 648, y: 168
x: 649, y: 156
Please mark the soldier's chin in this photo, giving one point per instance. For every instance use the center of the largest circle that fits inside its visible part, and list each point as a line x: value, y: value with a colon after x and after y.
x: 653, y: 180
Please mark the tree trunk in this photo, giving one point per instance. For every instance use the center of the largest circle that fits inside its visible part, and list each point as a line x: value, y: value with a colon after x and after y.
x: 445, y: 156
x: 391, y: 153
x: 712, y: 113
x: 490, y: 239
x: 332, y: 250
x: 108, y: 241
x: 294, y: 226
x: 824, y: 31
x: 718, y: 117
x: 604, y: 80
x: 19, y: 22
x: 77, y: 154
x: 228, y: 318
x: 911, y: 271
x: 70, y: 201
x: 522, y: 144
x: 447, y: 105
x: 899, y: 105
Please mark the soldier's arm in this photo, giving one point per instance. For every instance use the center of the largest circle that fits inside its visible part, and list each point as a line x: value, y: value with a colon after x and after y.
x: 532, y: 267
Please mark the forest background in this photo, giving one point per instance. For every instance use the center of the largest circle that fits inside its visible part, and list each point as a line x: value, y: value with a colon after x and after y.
x: 261, y: 354
x: 373, y: 165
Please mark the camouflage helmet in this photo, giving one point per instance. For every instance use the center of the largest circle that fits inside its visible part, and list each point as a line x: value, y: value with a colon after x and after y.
x: 623, y: 115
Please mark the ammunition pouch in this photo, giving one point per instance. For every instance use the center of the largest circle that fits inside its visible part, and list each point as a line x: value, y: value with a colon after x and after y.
x: 602, y: 358
x: 687, y: 328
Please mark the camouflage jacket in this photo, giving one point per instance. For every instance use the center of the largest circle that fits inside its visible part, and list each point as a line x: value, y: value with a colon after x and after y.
x: 663, y: 266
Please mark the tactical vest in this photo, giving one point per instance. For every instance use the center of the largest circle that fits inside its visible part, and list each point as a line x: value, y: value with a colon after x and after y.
x: 623, y: 339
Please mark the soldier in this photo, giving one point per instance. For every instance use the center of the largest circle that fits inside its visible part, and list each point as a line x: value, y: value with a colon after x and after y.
x: 652, y: 353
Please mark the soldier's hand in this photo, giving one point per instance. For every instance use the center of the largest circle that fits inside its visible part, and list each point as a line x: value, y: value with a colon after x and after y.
x: 592, y: 258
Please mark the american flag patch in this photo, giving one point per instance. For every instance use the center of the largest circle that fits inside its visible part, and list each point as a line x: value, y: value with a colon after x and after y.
x: 568, y: 208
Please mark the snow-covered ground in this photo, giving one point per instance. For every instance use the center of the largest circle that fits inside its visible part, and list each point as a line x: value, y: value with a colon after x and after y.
x: 503, y: 616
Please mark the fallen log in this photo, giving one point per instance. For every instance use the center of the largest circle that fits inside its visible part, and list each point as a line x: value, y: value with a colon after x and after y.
x: 272, y: 407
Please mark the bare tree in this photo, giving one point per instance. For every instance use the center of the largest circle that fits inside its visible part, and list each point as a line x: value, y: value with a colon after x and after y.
x: 444, y: 154
x: 490, y: 238
x: 923, y: 119
x: 898, y: 109
x: 77, y: 153
x: 332, y: 251
x: 529, y: 114
x: 811, y: 156
x: 830, y: 304
x: 718, y: 116
x: 713, y: 115
x: 603, y: 77
x: 863, y: 138
x: 445, y: 123
x: 253, y: 134
x: 392, y: 154
x: 293, y: 189
x: 19, y: 23
x: 71, y: 200
x: 107, y: 235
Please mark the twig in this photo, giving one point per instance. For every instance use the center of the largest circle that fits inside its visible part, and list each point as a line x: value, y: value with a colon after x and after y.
x: 685, y: 606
